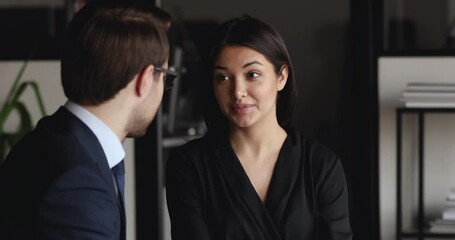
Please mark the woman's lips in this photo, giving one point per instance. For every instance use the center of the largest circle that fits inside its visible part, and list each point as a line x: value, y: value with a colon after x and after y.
x: 242, y: 108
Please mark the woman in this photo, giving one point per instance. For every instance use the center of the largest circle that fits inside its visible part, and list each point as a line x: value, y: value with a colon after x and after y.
x: 253, y: 176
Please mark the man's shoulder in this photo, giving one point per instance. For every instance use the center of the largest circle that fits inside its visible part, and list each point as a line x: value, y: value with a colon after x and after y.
x: 47, y: 149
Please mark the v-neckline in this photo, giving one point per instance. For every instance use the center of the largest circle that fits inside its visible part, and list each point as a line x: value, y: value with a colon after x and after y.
x: 248, y: 181
x: 269, y: 212
x: 281, y: 184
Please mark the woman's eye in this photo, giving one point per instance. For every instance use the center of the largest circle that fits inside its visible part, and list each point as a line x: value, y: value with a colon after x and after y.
x: 221, y: 77
x: 253, y: 75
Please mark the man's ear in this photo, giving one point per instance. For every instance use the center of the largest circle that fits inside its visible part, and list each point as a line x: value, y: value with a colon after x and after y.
x: 283, y: 77
x: 144, y: 80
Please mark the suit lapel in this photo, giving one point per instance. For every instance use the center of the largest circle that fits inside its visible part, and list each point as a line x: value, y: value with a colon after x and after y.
x: 240, y: 183
x: 88, y: 141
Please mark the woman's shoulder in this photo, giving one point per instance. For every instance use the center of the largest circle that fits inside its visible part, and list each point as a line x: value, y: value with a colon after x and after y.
x: 193, y: 156
x: 315, y: 159
x: 194, y: 150
x: 193, y: 145
x: 317, y: 154
x: 308, y: 144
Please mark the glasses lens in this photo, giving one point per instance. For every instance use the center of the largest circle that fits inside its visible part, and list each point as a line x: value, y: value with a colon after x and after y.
x: 169, y: 80
x: 168, y: 76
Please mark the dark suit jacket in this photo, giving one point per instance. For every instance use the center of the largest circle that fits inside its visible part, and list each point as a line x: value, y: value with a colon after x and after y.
x: 56, y: 184
x: 210, y: 196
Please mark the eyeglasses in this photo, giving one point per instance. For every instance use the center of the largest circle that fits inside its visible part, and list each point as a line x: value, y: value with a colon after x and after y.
x: 169, y: 77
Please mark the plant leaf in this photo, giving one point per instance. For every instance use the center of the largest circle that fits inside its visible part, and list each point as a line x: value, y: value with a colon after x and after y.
x: 7, y: 140
x: 15, y: 99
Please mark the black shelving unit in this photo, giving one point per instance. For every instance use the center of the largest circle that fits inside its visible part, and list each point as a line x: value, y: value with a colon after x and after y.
x: 421, y: 232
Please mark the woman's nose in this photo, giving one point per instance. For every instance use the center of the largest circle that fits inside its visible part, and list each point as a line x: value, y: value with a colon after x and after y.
x: 239, y: 89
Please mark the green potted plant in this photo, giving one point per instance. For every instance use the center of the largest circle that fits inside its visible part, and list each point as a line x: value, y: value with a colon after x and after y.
x: 13, y: 102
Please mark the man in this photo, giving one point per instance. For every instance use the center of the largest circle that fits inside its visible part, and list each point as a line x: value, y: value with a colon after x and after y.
x: 64, y: 179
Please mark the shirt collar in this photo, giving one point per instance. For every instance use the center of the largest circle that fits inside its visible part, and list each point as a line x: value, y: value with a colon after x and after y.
x: 112, y: 147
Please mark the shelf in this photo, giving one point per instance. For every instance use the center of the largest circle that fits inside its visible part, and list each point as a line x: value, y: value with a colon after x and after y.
x: 427, y: 235
x: 422, y: 232
x: 420, y: 53
x: 426, y: 110
x: 394, y: 73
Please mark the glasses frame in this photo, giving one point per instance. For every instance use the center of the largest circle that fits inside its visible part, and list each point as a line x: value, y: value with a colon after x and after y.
x: 169, y: 77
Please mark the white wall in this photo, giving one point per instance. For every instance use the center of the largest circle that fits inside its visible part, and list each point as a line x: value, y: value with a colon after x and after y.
x: 47, y: 74
x: 394, y: 73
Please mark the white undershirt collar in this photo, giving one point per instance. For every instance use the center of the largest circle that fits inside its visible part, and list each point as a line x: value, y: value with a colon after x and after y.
x: 112, y: 147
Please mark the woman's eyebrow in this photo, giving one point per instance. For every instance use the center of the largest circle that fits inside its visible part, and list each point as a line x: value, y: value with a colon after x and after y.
x: 252, y: 63
x: 244, y: 66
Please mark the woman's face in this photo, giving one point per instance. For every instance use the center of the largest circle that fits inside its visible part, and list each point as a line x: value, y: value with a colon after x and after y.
x: 246, y: 86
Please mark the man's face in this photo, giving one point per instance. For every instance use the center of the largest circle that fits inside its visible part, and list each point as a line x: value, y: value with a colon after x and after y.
x: 144, y: 114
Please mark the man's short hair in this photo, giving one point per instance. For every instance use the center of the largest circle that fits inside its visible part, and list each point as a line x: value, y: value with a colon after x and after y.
x: 105, y: 46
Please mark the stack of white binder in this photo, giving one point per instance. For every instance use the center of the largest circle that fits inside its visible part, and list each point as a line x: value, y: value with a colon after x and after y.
x: 429, y: 95
x: 446, y: 224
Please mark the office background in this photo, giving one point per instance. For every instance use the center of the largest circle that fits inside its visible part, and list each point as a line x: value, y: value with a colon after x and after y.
x: 340, y: 50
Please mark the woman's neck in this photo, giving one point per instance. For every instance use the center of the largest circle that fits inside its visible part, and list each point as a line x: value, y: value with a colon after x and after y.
x: 257, y: 141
